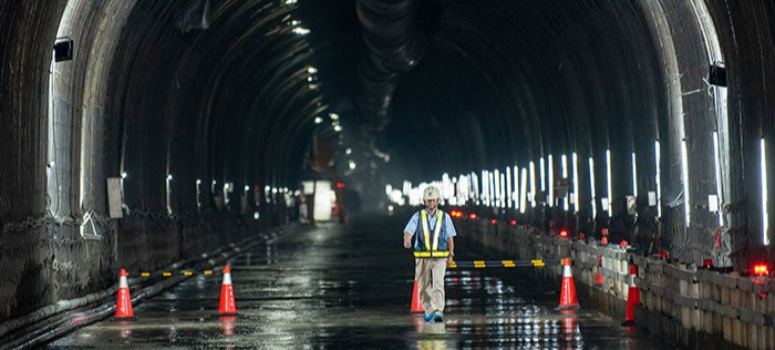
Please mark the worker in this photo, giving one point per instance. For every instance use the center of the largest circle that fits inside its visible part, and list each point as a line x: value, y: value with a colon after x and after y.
x: 434, y: 248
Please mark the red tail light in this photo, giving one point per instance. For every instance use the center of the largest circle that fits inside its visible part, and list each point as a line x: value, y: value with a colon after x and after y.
x: 472, y: 216
x: 513, y: 222
x: 707, y: 263
x: 494, y: 222
x: 761, y: 270
x: 563, y: 233
x: 340, y: 185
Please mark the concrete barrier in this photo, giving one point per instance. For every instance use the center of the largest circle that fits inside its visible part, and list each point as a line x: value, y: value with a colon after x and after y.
x: 686, y: 306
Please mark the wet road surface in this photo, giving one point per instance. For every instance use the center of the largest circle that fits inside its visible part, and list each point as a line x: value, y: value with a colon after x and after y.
x: 350, y: 287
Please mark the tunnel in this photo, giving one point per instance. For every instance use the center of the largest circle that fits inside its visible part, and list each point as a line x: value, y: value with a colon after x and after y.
x: 149, y: 135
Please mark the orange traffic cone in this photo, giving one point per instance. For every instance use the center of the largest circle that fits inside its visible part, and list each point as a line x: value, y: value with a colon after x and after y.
x: 416, y: 304
x: 633, y: 298
x: 124, y: 301
x: 568, y: 299
x: 227, y: 305
x: 599, y: 277
x: 604, y: 241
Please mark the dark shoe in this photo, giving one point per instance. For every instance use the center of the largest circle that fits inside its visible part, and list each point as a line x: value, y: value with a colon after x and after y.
x: 438, y: 316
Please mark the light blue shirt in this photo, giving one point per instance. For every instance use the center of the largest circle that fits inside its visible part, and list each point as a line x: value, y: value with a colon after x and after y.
x: 449, y: 231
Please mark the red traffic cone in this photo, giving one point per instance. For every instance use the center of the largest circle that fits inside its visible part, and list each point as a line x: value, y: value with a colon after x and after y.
x: 633, y: 298
x: 568, y: 299
x: 227, y: 305
x: 604, y: 241
x: 123, y: 301
x: 416, y: 304
x: 599, y: 277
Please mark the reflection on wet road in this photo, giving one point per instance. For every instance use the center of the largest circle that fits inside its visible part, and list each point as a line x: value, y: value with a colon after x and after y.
x: 350, y: 287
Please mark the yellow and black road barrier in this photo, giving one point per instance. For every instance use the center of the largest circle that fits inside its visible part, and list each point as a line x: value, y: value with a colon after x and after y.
x: 184, y: 272
x: 481, y: 264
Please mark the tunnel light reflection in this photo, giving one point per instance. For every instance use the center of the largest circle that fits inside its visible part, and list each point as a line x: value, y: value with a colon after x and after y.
x: 685, y: 170
x: 516, y: 188
x: 608, y: 173
x: 717, y: 166
x: 765, y: 216
x: 492, y: 189
x: 169, y: 194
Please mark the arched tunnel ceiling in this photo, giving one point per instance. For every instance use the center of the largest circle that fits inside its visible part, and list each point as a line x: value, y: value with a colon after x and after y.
x: 505, y: 82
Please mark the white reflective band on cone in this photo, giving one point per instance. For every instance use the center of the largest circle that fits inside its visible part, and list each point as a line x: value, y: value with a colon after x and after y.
x: 566, y: 271
x: 632, y: 281
x: 122, y: 282
x: 227, y: 278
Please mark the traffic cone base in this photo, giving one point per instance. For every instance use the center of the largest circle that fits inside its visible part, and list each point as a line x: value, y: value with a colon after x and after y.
x: 227, y: 306
x: 568, y: 298
x: 124, y: 300
x: 416, y: 304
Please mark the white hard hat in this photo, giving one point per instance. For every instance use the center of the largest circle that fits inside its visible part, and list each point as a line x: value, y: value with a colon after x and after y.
x: 430, y: 192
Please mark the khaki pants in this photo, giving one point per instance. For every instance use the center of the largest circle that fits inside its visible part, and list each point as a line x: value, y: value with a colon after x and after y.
x: 429, y: 274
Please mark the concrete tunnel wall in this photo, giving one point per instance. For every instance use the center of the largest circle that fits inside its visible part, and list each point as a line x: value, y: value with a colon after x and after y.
x: 153, y: 92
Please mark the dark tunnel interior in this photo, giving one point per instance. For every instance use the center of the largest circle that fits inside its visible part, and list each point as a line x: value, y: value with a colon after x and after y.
x: 653, y: 119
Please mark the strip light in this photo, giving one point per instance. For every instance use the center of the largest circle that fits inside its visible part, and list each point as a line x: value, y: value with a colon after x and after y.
x: 532, y: 184
x: 610, y: 192
x: 634, y: 176
x: 551, y: 181
x: 765, y: 218
x: 508, y: 187
x: 657, y: 157
x: 516, y: 188
x: 564, y: 162
x: 592, y: 186
x: 523, y: 192
x: 685, y: 168
x: 575, y: 160
x: 717, y: 164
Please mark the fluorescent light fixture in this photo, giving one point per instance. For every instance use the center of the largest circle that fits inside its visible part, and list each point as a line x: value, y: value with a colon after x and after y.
x: 610, y: 192
x: 301, y: 30
x: 523, y: 192
x: 492, y: 189
x: 634, y: 176
x: 508, y: 187
x: 497, y: 188
x: 575, y: 160
x: 542, y: 171
x: 532, y: 184
x: 312, y: 70
x: 516, y: 187
x: 318, y: 120
x: 564, y: 164
x: 592, y: 186
x: 124, y: 175
x: 247, y: 188
x: 765, y: 216
x: 551, y: 182
x: 348, y: 151
x: 352, y: 165
x: 337, y: 128
x: 503, y: 191
x: 717, y: 165
x: 334, y: 116
x: 658, y: 182
x: 685, y: 170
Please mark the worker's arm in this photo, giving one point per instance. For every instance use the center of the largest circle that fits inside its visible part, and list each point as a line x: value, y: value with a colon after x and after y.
x: 451, y: 247
x: 407, y: 240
